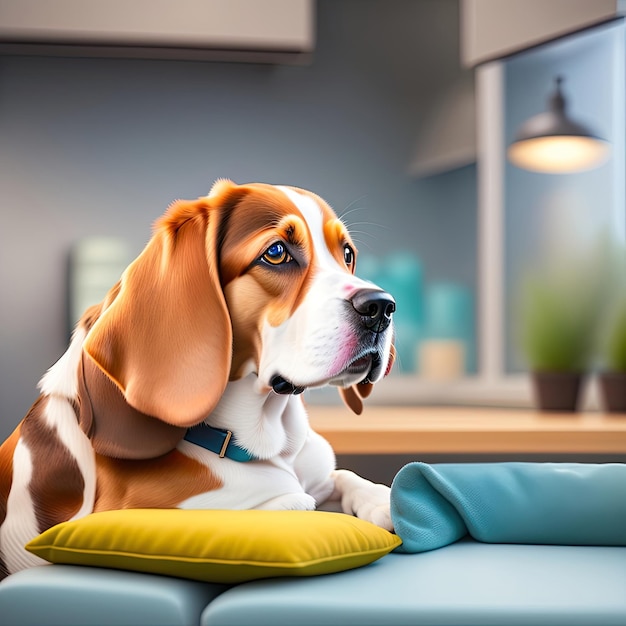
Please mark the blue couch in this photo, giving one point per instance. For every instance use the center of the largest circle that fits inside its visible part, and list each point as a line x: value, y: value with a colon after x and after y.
x: 483, y: 545
x: 465, y: 583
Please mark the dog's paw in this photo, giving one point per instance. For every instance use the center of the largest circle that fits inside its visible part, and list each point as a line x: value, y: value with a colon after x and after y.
x: 372, y: 505
x: 368, y: 501
x: 381, y: 516
x: 290, y: 502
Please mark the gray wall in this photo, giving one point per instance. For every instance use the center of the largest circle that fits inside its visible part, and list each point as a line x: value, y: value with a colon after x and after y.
x: 102, y: 146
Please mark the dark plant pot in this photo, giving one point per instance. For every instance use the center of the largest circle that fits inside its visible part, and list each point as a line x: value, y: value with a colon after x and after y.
x: 613, y: 391
x: 557, y: 391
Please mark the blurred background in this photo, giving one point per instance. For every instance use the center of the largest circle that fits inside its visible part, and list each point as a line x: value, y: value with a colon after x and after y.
x: 397, y: 112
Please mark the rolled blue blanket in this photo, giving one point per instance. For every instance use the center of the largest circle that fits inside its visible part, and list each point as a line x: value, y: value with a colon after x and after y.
x: 535, y: 503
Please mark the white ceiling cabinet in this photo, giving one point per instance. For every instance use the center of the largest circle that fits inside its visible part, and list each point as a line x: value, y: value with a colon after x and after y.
x: 270, y: 31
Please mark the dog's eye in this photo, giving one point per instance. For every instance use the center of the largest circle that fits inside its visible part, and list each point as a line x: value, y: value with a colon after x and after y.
x: 276, y: 254
x: 348, y: 255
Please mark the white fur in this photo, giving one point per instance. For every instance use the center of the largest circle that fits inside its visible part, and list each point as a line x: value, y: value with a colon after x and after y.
x: 61, y: 379
x: 362, y: 498
x: 273, y: 428
x: 20, y: 524
x: 266, y: 424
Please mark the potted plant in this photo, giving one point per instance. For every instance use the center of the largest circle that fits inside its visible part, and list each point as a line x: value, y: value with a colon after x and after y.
x: 612, y: 377
x: 558, y: 320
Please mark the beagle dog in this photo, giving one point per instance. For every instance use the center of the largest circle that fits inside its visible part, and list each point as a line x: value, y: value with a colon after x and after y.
x: 182, y: 388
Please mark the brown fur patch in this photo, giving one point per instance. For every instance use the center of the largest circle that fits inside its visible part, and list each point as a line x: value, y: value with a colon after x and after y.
x: 247, y: 299
x: 337, y: 237
x: 160, y: 483
x: 57, y: 484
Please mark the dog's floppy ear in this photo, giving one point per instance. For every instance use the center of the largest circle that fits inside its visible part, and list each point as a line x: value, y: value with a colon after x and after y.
x: 165, y: 337
x: 353, y: 396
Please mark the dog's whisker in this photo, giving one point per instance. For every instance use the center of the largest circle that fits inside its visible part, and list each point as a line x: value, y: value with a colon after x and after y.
x: 351, y: 208
x: 372, y: 224
x: 353, y: 233
x: 364, y: 246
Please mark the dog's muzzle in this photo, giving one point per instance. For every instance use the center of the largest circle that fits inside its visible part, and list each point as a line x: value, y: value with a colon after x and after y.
x: 375, y: 309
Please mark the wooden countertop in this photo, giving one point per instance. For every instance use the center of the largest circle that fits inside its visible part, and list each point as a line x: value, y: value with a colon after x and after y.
x: 464, y: 430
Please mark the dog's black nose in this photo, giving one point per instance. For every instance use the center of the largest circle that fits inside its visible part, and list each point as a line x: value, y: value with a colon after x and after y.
x: 375, y: 308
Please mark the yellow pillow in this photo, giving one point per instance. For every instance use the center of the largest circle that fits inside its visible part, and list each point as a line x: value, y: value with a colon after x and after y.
x: 216, y: 546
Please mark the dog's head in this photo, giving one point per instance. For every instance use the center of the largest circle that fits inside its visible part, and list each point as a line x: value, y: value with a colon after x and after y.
x: 251, y: 279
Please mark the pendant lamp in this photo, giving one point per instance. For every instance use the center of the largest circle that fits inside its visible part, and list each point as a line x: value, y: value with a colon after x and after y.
x: 553, y: 143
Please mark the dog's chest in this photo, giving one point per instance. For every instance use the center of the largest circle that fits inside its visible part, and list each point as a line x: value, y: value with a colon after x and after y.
x: 244, y: 485
x: 275, y: 433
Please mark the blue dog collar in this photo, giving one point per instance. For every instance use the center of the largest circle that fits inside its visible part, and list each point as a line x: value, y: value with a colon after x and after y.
x: 218, y: 441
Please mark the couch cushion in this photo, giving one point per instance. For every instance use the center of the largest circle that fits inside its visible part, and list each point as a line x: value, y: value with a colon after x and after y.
x: 216, y: 546
x: 466, y: 583
x: 71, y: 595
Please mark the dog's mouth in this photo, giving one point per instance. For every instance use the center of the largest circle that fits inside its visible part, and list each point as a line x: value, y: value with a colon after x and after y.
x: 363, y: 369
x: 361, y: 365
x: 282, y: 386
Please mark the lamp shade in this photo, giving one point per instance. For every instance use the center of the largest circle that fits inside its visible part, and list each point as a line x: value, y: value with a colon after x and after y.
x: 553, y: 143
